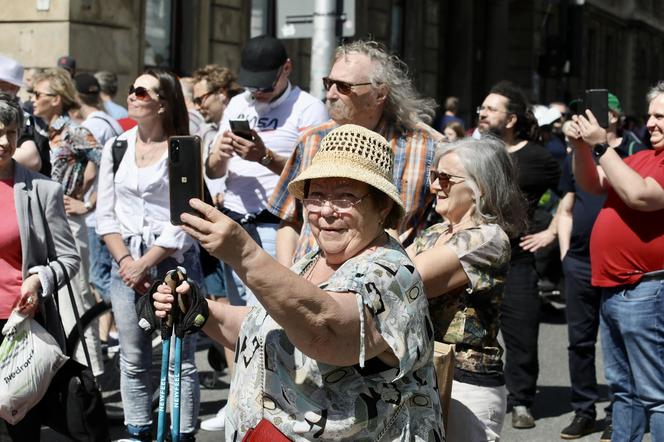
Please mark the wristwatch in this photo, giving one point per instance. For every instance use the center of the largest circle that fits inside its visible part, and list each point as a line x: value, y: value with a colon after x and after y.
x: 88, y: 205
x: 267, y: 158
x: 600, y: 149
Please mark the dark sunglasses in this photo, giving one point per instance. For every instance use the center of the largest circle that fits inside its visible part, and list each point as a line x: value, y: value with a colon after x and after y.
x: 198, y: 101
x: 443, y: 178
x: 40, y: 94
x: 140, y: 92
x: 344, y: 87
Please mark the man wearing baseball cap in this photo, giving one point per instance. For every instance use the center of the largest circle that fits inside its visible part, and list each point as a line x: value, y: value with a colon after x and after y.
x: 68, y: 63
x: 276, y: 112
x: 33, y: 150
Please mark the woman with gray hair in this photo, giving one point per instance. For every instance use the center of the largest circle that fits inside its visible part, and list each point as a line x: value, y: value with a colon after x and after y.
x: 463, y: 262
x: 340, y: 347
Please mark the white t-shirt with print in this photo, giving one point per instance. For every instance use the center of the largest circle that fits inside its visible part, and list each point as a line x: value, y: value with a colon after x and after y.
x: 249, y: 184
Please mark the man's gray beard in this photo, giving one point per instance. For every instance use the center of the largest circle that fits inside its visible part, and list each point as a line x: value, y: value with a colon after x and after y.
x: 338, y: 111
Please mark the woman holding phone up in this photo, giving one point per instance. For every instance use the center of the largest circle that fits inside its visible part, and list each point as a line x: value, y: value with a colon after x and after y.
x: 133, y: 217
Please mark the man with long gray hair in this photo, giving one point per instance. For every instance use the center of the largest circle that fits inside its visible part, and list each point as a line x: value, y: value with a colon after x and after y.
x: 369, y: 87
x: 627, y: 263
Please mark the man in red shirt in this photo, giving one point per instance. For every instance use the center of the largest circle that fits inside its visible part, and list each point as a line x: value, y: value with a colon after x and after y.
x: 627, y: 262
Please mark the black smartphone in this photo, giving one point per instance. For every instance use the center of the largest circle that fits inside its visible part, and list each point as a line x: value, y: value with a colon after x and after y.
x: 597, y: 100
x: 185, y: 174
x: 241, y: 128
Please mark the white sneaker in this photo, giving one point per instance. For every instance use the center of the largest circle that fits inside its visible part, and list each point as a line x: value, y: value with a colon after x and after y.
x: 216, y: 423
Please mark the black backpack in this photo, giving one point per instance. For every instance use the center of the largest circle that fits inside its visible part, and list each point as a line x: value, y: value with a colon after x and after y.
x: 118, y: 150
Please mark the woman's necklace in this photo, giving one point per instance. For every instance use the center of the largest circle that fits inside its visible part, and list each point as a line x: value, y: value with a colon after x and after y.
x: 149, y: 153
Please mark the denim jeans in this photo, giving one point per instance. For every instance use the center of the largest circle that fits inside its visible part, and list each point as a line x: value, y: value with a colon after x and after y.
x: 136, y: 354
x: 100, y: 265
x: 238, y: 293
x: 632, y: 327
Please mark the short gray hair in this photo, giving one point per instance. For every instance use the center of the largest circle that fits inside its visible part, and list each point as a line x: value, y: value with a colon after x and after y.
x: 492, y: 176
x: 404, y: 107
x: 10, y: 111
x: 655, y: 91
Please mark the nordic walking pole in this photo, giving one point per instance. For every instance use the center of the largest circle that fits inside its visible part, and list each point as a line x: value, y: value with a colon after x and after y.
x: 172, y: 281
x: 180, y: 275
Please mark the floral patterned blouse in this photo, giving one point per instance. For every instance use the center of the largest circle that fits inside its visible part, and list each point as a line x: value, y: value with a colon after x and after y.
x: 470, y: 317
x: 310, y: 400
x: 72, y: 146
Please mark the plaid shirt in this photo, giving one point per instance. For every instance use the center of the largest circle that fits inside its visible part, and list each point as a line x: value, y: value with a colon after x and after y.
x: 413, y: 156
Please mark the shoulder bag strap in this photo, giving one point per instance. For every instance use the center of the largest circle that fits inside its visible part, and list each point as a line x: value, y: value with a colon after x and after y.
x: 97, y: 117
x: 76, y: 315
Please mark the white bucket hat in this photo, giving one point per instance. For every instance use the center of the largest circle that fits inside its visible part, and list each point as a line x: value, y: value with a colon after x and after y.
x: 11, y: 71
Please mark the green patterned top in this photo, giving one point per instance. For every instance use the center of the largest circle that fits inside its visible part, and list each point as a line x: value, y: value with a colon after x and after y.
x: 470, y: 316
x: 310, y: 400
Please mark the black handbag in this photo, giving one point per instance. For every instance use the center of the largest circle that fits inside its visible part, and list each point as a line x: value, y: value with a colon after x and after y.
x: 73, y: 405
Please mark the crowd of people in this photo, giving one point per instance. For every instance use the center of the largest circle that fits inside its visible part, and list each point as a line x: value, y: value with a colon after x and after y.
x: 338, y: 241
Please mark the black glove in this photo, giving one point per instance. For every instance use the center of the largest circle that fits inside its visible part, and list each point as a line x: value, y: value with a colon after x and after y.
x: 145, y: 310
x: 190, y: 321
x: 196, y: 311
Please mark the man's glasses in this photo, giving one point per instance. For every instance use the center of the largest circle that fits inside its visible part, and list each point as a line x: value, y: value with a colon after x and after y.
x: 444, y: 179
x: 344, y: 87
x: 140, y: 92
x: 38, y: 95
x: 339, y: 205
x: 198, y: 101
x: 489, y: 109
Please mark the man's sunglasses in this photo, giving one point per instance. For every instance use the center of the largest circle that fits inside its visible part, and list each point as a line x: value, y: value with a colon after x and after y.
x: 140, y: 92
x: 344, y: 87
x: 198, y: 101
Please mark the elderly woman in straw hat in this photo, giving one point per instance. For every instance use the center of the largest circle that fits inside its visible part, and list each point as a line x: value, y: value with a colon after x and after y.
x: 341, y: 346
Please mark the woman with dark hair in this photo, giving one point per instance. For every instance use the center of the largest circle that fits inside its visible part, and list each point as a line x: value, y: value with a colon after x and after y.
x: 133, y: 217
x: 454, y: 131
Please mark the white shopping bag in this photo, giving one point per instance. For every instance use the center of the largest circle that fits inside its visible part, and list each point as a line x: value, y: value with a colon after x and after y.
x: 29, y: 358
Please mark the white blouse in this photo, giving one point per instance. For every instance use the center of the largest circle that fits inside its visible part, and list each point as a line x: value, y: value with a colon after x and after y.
x: 135, y: 202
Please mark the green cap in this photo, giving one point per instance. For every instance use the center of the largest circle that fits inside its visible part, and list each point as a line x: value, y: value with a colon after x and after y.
x: 614, y: 104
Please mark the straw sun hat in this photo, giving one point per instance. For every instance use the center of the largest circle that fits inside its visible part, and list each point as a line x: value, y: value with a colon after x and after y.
x: 351, y: 151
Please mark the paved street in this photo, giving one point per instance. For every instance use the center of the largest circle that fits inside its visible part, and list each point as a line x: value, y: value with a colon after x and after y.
x: 552, y: 408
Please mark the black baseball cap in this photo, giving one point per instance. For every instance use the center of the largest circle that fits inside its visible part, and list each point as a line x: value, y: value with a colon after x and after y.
x: 86, y: 84
x: 67, y: 62
x: 261, y: 59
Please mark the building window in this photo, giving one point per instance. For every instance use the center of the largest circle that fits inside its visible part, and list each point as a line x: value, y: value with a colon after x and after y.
x: 158, y: 51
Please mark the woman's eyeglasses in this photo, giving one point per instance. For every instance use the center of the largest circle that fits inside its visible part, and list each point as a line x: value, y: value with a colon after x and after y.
x: 444, y: 179
x: 344, y: 87
x: 38, y: 95
x: 140, y: 92
x: 339, y: 205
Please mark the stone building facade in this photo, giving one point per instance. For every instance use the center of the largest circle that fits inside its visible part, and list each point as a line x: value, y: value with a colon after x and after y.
x: 553, y: 48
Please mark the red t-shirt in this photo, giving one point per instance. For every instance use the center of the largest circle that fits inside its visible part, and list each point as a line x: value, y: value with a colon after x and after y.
x: 626, y: 243
x: 11, y: 276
